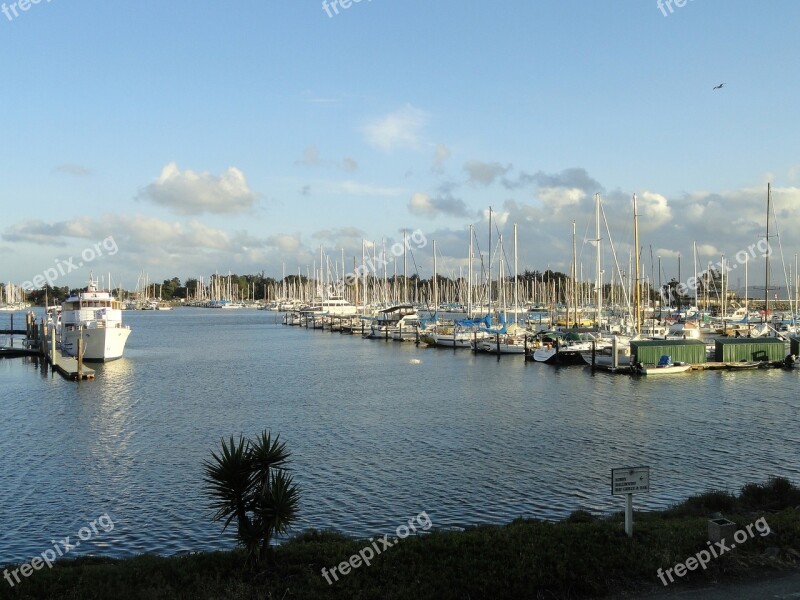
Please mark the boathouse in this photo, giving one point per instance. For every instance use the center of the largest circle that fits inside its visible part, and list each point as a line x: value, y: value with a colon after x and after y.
x: 648, y: 352
x: 731, y: 350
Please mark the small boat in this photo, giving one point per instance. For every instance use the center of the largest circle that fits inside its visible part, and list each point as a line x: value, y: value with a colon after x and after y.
x: 562, y: 349
x: 501, y: 344
x: 744, y: 365
x: 665, y: 366
x: 399, y: 322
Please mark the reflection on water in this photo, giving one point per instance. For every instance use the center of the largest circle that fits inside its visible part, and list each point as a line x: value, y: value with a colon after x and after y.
x: 379, y: 431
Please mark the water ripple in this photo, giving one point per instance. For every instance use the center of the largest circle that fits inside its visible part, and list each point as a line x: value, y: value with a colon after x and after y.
x: 375, y: 439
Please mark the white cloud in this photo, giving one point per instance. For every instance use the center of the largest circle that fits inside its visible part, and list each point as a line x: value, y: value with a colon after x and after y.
x: 285, y: 243
x: 424, y: 206
x: 420, y: 204
x: 654, y: 211
x: 401, y: 129
x: 192, y: 193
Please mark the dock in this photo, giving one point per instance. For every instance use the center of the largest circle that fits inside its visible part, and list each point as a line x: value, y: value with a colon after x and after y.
x: 68, y: 367
x: 40, y: 342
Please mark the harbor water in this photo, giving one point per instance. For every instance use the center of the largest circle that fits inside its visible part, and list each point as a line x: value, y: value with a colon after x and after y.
x: 379, y: 431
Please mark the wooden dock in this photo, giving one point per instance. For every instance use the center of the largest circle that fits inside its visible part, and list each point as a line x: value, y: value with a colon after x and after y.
x: 40, y: 341
x: 706, y: 366
x: 68, y: 367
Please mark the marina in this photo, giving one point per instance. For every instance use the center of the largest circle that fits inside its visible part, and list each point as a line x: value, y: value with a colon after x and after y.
x: 514, y: 287
x: 492, y: 439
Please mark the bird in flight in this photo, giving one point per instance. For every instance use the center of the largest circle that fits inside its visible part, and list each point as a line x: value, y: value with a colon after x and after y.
x: 718, y: 87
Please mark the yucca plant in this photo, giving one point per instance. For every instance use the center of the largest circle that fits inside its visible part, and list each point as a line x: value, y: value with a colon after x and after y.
x: 249, y: 482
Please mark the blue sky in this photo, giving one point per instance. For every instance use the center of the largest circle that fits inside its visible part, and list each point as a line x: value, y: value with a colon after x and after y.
x: 240, y: 136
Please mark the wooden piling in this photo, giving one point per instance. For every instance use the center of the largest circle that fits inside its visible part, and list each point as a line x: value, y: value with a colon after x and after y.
x: 80, y: 355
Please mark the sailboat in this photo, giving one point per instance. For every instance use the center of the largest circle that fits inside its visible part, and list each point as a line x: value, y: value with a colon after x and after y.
x: 458, y: 333
x: 508, y: 339
x: 567, y: 349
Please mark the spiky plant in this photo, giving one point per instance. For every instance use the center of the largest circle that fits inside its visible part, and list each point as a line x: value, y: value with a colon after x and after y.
x: 249, y: 481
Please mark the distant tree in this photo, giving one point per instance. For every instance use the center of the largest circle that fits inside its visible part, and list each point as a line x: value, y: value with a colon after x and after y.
x: 168, y: 288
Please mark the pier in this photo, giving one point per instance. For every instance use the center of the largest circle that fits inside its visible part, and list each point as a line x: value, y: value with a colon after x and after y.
x: 40, y: 342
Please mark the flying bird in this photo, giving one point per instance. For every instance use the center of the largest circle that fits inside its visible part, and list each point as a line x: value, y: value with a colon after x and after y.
x: 718, y: 87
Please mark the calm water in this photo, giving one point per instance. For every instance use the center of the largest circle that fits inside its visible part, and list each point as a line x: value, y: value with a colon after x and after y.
x: 375, y: 437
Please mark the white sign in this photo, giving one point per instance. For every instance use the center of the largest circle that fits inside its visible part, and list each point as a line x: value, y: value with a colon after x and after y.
x: 630, y: 480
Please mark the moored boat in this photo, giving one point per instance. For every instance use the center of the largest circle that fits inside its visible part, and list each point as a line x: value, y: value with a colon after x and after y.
x: 665, y: 366
x: 94, y: 317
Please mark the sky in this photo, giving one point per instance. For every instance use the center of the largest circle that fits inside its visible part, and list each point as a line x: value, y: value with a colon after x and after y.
x: 186, y: 138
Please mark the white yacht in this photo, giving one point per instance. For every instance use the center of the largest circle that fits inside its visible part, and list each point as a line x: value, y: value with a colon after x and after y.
x: 96, y: 318
x: 400, y: 323
x: 334, y: 306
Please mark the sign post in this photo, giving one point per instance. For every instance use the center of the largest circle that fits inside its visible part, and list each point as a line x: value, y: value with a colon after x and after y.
x: 628, y: 481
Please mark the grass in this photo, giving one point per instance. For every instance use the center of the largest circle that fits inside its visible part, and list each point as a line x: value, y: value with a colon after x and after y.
x: 583, y: 556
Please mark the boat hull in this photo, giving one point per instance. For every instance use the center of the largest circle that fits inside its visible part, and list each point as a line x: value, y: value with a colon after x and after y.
x: 562, y: 356
x: 672, y: 370
x: 452, y: 341
x: 99, y: 345
x: 495, y: 348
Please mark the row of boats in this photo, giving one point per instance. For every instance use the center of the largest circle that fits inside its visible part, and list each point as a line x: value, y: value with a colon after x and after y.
x: 95, y: 317
x: 531, y: 335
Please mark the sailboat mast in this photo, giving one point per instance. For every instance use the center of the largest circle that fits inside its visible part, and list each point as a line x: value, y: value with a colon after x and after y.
x: 501, y: 290
x: 321, y: 275
x: 766, y: 259
x: 598, y: 273
x: 490, y: 261
x: 696, y: 301
x: 405, y: 269
x: 386, y: 295
x: 722, y: 284
x: 574, y: 277
x: 794, y: 312
x: 364, y: 274
x: 746, y: 310
x: 516, y: 278
x: 469, y: 276
x: 435, y: 281
x: 637, y: 312
x: 355, y: 283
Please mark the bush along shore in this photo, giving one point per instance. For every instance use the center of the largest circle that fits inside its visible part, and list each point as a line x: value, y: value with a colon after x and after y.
x: 583, y: 556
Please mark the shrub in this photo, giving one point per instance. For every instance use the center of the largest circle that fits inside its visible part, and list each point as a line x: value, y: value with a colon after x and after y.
x: 248, y: 481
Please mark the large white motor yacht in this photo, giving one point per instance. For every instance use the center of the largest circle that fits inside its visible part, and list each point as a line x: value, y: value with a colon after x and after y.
x: 96, y: 318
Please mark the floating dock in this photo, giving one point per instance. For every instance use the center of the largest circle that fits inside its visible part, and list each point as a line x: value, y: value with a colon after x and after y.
x: 40, y: 341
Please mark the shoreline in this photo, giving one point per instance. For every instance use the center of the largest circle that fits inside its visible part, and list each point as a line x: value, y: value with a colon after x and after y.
x: 582, y: 556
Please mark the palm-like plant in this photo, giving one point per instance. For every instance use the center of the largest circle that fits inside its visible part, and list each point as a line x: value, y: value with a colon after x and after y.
x: 248, y: 481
